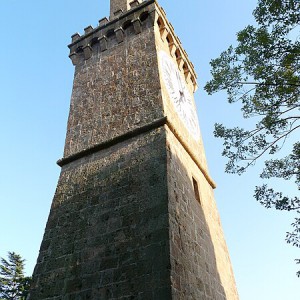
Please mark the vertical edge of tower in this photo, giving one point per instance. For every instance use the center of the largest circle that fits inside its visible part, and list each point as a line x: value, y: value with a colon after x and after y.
x: 199, y: 257
x: 200, y: 263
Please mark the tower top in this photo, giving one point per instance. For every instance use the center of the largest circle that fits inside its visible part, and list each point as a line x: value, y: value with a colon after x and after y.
x: 119, y: 6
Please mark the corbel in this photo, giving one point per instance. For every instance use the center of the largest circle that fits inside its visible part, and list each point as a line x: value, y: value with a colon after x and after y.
x: 74, y: 58
x: 87, y: 52
x: 103, y: 43
x: 180, y: 62
x: 172, y: 48
x: 153, y: 15
x: 118, y: 13
x: 187, y: 74
x: 194, y: 82
x: 164, y: 31
x: 120, y: 35
x: 137, y: 26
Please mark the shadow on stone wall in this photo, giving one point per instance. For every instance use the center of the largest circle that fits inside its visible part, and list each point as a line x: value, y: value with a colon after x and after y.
x: 120, y: 227
x: 195, y: 274
x: 107, y: 233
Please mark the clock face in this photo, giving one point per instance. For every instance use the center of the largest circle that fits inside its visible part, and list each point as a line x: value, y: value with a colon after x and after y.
x: 179, y: 94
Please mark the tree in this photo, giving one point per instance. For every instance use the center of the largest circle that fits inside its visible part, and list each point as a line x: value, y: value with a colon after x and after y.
x: 262, y: 73
x: 13, y: 284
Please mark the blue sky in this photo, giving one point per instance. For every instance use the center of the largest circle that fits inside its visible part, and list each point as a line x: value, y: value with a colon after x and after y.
x: 36, y: 81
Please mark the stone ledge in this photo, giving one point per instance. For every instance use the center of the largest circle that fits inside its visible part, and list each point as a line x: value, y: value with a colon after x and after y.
x: 148, y: 127
x: 131, y: 134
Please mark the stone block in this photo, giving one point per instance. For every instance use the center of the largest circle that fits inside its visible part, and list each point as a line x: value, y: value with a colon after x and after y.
x: 137, y: 25
x: 103, y: 21
x: 120, y: 35
x: 103, y: 43
x: 134, y: 3
x: 74, y: 58
x: 75, y: 37
x: 88, y: 29
x: 87, y: 51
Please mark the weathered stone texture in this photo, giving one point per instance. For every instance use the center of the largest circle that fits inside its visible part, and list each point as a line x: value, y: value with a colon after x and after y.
x: 107, y: 234
x: 114, y: 91
x: 201, y: 267
x: 116, y: 5
x: 125, y: 222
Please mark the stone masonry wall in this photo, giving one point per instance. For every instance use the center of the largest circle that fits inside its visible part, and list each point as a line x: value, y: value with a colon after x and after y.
x: 107, y: 233
x: 125, y: 222
x: 200, y: 263
x: 114, y: 91
x: 116, y: 5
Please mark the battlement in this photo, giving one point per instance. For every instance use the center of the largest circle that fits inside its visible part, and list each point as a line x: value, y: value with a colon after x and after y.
x: 176, y: 49
x: 139, y: 17
x: 108, y: 33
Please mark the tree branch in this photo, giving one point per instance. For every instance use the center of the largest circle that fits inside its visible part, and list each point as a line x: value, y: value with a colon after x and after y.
x: 272, y: 144
x: 267, y: 84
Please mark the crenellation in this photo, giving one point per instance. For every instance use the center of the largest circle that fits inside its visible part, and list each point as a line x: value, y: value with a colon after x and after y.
x: 118, y: 13
x: 167, y: 30
x: 102, y: 22
x: 134, y: 3
x: 75, y: 37
x: 109, y: 30
x: 88, y: 29
x: 140, y: 13
x: 171, y: 26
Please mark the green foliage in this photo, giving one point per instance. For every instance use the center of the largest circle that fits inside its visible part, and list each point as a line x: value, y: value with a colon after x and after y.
x: 263, y: 73
x: 13, y: 284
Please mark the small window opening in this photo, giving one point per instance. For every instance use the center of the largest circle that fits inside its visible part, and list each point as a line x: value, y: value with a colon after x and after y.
x: 196, y: 190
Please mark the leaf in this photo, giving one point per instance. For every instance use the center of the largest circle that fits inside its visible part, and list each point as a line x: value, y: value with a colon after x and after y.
x: 262, y: 72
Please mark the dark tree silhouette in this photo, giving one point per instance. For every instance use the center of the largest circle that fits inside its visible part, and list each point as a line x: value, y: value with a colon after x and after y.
x: 13, y: 284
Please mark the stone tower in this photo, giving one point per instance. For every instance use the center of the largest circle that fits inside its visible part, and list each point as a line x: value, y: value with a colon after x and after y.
x: 133, y: 216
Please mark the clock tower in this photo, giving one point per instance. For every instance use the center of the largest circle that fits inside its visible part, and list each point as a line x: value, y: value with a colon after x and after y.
x: 133, y: 215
